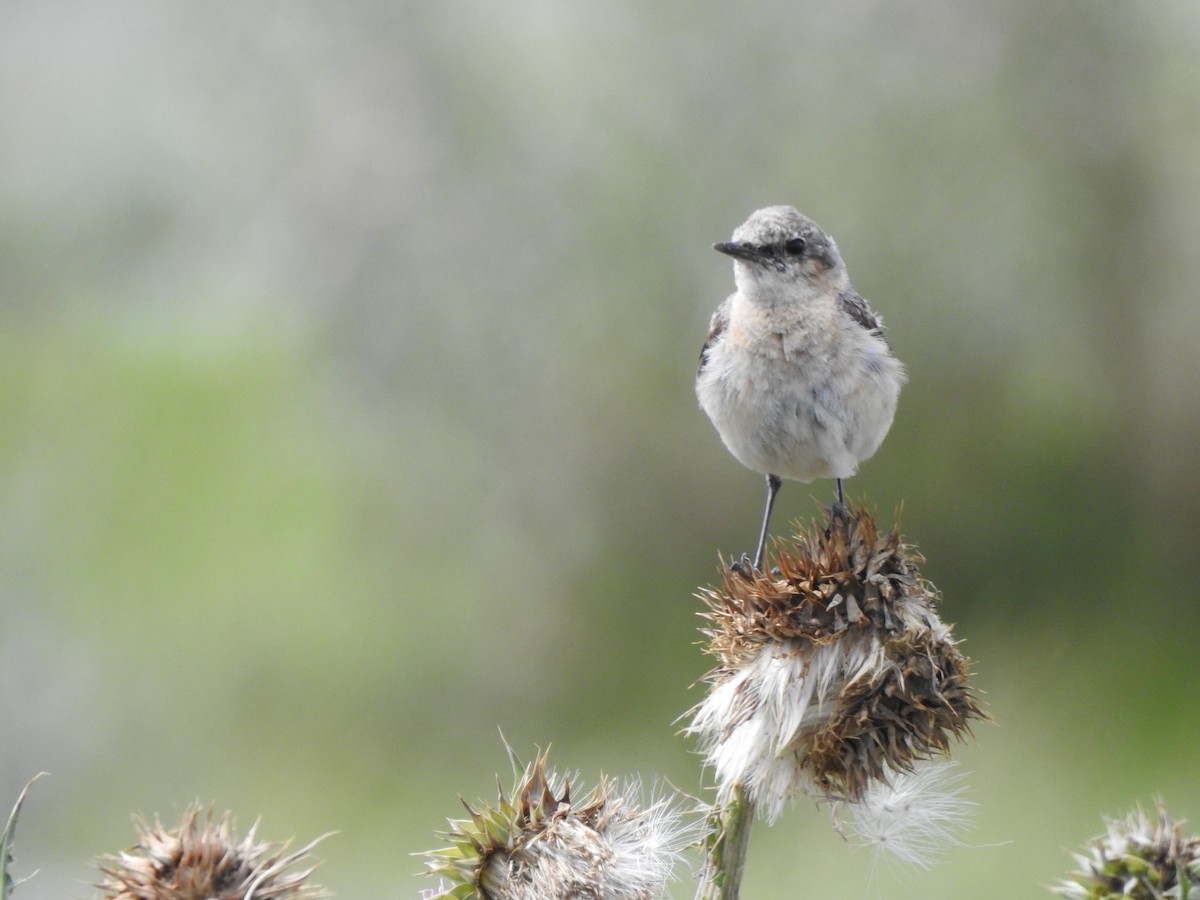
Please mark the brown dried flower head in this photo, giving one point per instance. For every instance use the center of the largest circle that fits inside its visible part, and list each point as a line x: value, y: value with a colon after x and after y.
x: 835, y: 671
x: 202, y: 859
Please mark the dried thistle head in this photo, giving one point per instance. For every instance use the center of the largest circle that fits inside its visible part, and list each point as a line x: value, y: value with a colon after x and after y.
x: 1137, y: 857
x: 203, y: 859
x: 834, y: 670
x: 536, y: 843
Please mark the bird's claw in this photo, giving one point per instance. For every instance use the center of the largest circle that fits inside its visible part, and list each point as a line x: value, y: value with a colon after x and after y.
x: 743, y: 566
x: 839, y: 517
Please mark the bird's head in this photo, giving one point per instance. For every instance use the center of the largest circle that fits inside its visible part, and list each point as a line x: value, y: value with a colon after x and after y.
x: 778, y: 247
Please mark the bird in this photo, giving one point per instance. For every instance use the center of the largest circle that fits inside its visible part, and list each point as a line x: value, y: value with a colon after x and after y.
x: 797, y: 374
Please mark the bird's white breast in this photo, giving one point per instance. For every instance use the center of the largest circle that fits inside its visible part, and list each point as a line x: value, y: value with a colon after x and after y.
x: 799, y: 392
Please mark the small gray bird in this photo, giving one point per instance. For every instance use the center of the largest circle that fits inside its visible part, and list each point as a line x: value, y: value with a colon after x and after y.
x: 796, y: 373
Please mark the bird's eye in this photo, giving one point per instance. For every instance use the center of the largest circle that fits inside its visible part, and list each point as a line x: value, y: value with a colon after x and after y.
x: 795, y: 246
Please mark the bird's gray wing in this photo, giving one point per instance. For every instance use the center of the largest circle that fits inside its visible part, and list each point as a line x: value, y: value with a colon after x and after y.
x: 853, y: 305
x: 716, y: 328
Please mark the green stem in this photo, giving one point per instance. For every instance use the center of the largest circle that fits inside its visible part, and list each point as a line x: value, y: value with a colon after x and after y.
x: 728, y: 844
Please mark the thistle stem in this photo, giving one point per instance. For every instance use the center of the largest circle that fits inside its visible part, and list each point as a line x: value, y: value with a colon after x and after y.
x: 728, y: 844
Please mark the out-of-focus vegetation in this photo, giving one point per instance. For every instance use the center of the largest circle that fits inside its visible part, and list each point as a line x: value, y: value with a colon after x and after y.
x: 347, y: 417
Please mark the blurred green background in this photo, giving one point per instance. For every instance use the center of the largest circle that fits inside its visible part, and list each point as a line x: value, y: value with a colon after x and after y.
x: 346, y: 411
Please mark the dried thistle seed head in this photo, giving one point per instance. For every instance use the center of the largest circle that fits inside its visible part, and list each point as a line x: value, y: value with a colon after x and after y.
x: 536, y: 843
x: 834, y: 671
x: 1136, y: 857
x: 202, y: 859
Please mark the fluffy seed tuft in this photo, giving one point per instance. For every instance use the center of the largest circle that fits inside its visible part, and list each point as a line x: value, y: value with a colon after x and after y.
x: 916, y: 817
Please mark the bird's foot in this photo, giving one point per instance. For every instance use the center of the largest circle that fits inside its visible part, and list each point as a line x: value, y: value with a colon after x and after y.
x: 745, y: 567
x: 839, y: 517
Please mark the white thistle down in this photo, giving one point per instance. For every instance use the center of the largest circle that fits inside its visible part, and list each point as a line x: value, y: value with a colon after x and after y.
x: 647, y: 837
x: 917, y: 817
x: 750, y: 725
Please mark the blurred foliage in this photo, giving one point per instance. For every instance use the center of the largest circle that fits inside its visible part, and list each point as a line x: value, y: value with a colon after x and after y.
x: 345, y: 371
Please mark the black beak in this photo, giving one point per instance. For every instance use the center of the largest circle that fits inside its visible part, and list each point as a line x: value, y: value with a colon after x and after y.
x: 740, y: 250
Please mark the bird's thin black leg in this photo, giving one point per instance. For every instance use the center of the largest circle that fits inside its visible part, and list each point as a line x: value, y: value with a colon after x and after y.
x: 773, y: 484
x: 838, y: 510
